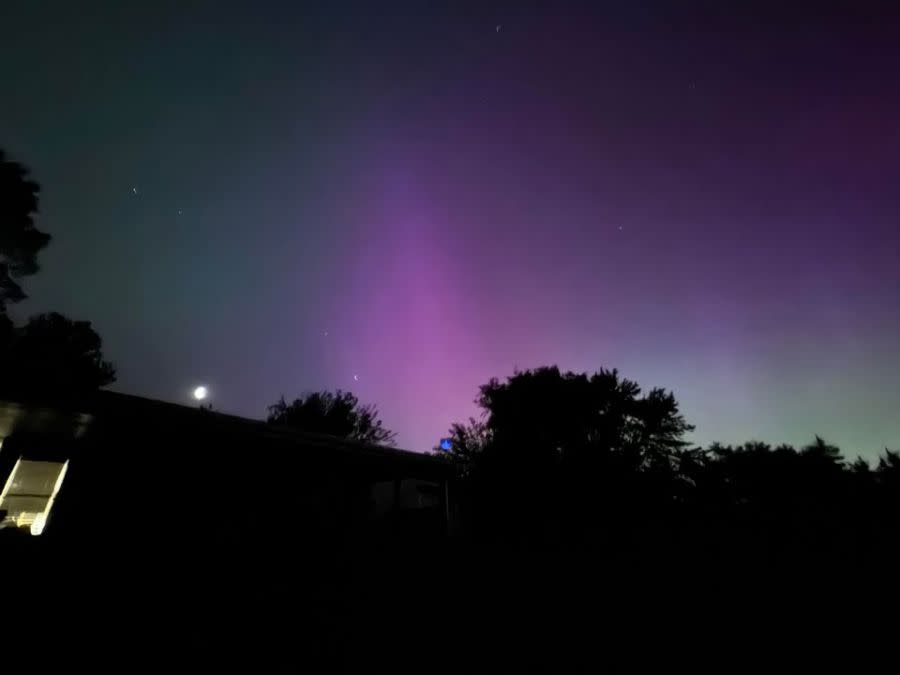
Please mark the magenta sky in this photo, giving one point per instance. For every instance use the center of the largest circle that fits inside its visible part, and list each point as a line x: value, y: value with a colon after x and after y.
x: 406, y: 202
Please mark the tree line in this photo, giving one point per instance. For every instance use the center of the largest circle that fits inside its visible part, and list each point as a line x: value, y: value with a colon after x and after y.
x: 589, y: 461
x: 559, y: 459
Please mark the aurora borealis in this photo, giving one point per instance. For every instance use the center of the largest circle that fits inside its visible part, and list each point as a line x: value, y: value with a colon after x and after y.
x: 401, y: 200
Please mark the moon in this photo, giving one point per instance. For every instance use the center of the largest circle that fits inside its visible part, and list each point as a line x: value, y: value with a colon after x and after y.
x: 201, y: 393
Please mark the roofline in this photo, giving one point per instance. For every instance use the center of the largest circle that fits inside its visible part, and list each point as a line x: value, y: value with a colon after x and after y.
x: 95, y: 403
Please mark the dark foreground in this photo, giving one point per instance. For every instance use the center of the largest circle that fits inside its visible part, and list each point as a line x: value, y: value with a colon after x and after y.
x: 419, y: 606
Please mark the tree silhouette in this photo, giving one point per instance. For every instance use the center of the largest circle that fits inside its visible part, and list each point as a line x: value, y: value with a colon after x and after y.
x: 889, y: 463
x: 566, y: 450
x: 20, y: 240
x: 337, y: 414
x: 591, y: 462
x: 544, y: 418
x: 467, y: 442
x: 887, y: 475
x: 52, y: 355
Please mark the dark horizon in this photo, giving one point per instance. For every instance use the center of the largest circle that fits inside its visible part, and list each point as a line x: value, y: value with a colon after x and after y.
x: 406, y: 201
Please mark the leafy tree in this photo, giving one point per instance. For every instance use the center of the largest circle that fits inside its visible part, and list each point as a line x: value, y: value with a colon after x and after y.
x: 467, y: 442
x: 543, y: 418
x: 889, y: 462
x: 860, y: 467
x: 592, y: 462
x: 887, y: 473
x: 559, y: 449
x: 822, y: 453
x: 52, y: 355
x: 336, y: 414
x: 20, y: 240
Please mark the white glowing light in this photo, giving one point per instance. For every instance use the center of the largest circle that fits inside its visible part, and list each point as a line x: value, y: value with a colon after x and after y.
x: 201, y: 393
x: 38, y: 524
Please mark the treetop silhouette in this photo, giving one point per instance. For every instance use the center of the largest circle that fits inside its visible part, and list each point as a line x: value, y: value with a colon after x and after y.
x: 20, y: 240
x: 334, y: 413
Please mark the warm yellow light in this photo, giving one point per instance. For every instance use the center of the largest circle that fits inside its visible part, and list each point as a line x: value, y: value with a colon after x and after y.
x: 40, y: 520
x: 28, y: 497
x: 9, y: 482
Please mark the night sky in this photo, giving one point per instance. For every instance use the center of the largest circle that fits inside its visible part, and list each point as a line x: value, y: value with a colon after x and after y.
x: 405, y: 199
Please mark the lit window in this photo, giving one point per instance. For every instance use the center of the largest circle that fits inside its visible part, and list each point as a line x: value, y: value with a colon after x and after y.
x: 29, y: 493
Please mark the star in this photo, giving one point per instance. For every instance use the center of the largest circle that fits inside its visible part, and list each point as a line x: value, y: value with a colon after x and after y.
x: 356, y: 378
x: 134, y: 190
x: 179, y: 212
x: 499, y: 26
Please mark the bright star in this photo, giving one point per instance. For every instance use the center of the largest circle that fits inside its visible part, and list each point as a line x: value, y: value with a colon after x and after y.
x: 201, y: 393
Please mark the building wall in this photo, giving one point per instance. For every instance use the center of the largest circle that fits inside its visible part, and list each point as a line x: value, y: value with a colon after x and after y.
x: 141, y: 482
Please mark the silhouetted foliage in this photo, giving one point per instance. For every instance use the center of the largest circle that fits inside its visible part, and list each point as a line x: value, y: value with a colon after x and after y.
x: 548, y: 417
x: 889, y: 463
x: 468, y: 441
x: 51, y: 356
x: 590, y: 461
x: 336, y: 414
x: 20, y: 240
x: 562, y: 447
x: 887, y: 473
